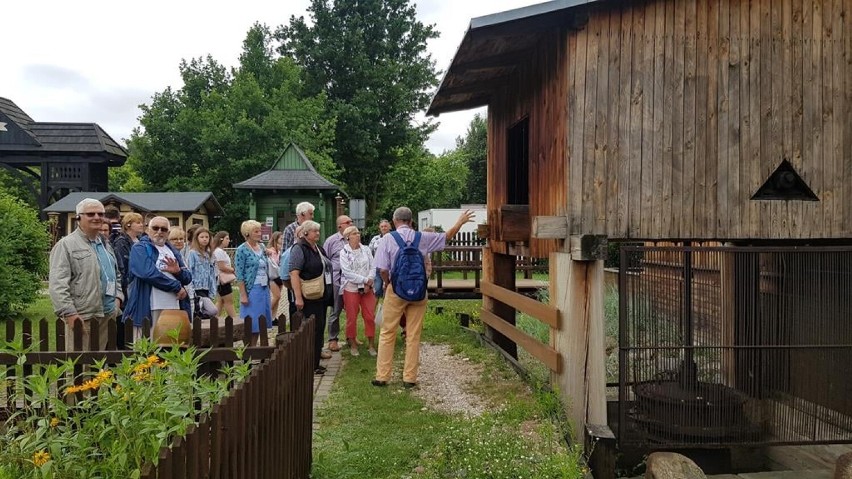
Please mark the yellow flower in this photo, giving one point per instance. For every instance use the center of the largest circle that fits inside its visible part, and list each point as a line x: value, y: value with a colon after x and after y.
x: 103, y: 376
x: 153, y: 359
x: 141, y: 376
x: 40, y: 458
x: 54, y: 421
x: 72, y: 390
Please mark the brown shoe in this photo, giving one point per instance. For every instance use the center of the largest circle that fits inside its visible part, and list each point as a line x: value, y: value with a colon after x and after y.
x: 333, y: 345
x: 325, y: 355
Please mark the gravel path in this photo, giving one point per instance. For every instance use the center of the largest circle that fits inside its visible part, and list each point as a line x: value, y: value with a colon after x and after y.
x: 445, y: 381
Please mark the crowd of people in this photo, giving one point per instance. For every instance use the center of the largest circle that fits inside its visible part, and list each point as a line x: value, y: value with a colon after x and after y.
x: 117, y: 268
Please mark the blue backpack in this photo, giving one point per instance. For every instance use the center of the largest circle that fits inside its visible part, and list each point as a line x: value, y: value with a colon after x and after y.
x: 408, y: 275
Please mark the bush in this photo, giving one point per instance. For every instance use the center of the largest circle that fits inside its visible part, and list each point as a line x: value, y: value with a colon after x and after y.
x: 24, y: 245
x: 122, y: 417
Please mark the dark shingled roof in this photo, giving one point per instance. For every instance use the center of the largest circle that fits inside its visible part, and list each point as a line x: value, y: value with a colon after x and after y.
x: 148, y: 202
x: 280, y: 179
x: 287, y: 180
x: 72, y: 139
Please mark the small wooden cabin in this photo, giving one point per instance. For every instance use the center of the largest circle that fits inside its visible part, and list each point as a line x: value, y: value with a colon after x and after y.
x: 648, y: 120
x: 274, y: 193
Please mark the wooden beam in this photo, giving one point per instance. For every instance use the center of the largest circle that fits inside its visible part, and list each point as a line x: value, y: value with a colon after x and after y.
x: 550, y: 227
x: 483, y: 230
x: 515, y: 222
x: 545, y: 313
x: 577, y: 289
x: 477, y: 87
x: 499, y: 269
x: 588, y: 247
x: 502, y: 60
x: 547, y: 355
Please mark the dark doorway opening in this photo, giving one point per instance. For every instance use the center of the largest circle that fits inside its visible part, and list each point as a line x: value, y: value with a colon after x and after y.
x: 518, y: 164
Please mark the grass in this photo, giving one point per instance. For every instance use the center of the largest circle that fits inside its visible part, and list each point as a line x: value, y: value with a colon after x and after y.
x: 366, y: 431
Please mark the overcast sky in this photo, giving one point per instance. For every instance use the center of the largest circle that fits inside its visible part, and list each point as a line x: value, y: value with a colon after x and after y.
x: 96, y: 61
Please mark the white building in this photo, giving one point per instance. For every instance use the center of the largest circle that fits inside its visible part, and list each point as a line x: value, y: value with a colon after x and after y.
x: 445, y: 218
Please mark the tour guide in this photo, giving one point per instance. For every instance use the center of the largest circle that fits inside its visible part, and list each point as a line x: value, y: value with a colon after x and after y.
x: 394, y: 306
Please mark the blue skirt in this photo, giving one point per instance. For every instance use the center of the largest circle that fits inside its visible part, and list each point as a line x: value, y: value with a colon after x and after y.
x: 258, y: 305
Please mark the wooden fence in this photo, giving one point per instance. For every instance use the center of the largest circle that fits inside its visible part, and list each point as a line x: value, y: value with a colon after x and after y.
x: 262, y: 429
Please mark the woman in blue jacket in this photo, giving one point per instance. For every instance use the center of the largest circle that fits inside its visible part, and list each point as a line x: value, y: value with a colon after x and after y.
x: 252, y: 269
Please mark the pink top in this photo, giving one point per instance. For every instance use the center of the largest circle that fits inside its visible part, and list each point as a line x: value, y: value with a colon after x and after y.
x: 386, y: 253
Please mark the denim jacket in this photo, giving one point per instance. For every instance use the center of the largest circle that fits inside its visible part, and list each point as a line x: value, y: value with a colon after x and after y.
x: 203, y: 270
x: 247, y: 262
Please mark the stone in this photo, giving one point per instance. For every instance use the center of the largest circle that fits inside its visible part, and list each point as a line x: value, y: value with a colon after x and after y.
x: 843, y: 467
x: 670, y: 465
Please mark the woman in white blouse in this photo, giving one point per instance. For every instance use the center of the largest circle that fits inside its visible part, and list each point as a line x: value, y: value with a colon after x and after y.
x: 357, y: 272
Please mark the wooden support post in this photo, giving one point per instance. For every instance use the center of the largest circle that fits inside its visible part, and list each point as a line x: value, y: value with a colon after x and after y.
x: 500, y: 270
x: 577, y: 290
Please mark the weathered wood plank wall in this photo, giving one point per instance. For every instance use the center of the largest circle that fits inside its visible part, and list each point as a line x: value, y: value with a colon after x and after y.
x: 661, y: 118
x: 678, y: 111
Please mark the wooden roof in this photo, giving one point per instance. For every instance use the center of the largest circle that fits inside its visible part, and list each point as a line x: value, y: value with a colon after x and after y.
x: 291, y: 171
x: 24, y: 140
x: 492, y: 48
x: 147, y: 202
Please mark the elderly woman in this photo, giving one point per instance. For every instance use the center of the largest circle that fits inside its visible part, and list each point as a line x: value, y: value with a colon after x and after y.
x: 357, y: 273
x: 310, y: 267
x: 252, y: 269
x: 131, y: 229
x: 177, y: 237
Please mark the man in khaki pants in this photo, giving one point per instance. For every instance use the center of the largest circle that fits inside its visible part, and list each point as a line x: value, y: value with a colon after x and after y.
x: 85, y: 282
x: 394, y: 306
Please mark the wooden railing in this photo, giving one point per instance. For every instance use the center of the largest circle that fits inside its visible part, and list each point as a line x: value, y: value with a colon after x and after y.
x: 261, y: 430
x: 547, y: 314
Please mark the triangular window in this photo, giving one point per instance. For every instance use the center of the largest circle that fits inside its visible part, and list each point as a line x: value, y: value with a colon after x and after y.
x: 785, y: 184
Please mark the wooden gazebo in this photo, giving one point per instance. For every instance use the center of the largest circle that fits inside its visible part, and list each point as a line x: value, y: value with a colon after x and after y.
x: 694, y: 120
x: 54, y: 159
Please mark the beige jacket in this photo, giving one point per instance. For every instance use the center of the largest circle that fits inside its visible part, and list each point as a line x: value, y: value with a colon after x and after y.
x: 75, y: 277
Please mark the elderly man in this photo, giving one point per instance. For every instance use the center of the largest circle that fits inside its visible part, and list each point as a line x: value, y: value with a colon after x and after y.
x: 394, y: 306
x: 157, y: 276
x: 384, y: 228
x: 304, y: 212
x: 333, y: 246
x: 84, y: 277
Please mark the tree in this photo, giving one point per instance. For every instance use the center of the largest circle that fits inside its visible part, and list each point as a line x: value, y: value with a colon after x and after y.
x: 223, y: 127
x: 370, y: 58
x: 474, y: 149
x: 24, y: 244
x: 422, y: 181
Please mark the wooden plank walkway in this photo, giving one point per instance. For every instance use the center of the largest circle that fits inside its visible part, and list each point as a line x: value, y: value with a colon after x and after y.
x: 466, y: 288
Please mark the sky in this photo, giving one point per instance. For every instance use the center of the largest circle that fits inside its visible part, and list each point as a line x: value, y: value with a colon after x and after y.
x: 96, y: 61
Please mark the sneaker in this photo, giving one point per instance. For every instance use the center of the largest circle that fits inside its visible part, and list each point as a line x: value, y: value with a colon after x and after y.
x: 377, y: 383
x: 408, y: 385
x: 333, y: 345
x: 353, y: 352
x: 373, y: 352
x: 320, y: 370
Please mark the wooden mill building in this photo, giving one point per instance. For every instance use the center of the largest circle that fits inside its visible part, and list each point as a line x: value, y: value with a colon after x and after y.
x: 648, y: 120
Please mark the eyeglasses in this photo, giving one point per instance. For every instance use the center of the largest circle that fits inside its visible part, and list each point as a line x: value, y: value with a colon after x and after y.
x: 92, y: 214
x: 162, y: 229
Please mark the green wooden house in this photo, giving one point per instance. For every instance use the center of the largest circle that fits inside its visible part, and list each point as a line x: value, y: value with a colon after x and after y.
x: 274, y: 194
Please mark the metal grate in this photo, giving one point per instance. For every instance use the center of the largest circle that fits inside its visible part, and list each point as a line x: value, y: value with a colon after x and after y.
x: 742, y: 345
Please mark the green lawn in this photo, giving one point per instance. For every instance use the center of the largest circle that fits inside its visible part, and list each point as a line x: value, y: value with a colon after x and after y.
x: 373, y: 432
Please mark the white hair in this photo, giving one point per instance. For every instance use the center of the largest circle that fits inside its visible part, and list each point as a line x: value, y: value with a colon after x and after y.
x: 81, y: 206
x: 309, y: 226
x: 303, y: 208
x: 402, y: 214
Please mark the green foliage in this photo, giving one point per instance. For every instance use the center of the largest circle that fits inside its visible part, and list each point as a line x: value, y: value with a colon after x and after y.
x: 14, y: 185
x: 24, y: 245
x: 126, y: 178
x: 474, y: 148
x: 225, y: 127
x: 119, y: 420
x: 371, y: 59
x: 422, y: 181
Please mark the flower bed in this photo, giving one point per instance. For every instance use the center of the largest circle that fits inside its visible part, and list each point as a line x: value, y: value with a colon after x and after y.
x: 115, y: 421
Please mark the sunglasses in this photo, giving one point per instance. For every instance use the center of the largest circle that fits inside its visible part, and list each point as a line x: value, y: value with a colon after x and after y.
x: 162, y: 229
x: 92, y: 214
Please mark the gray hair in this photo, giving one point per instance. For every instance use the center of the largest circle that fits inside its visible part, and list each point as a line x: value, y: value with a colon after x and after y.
x: 304, y: 208
x: 81, y: 206
x: 402, y: 214
x: 308, y: 226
